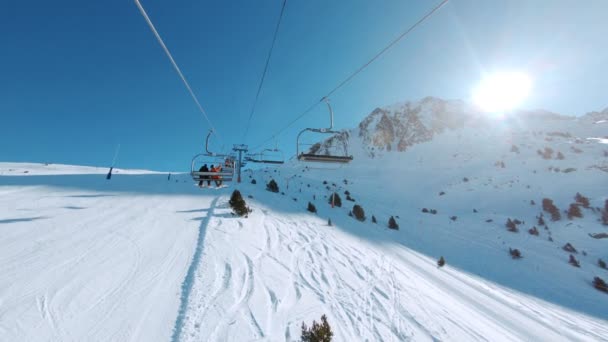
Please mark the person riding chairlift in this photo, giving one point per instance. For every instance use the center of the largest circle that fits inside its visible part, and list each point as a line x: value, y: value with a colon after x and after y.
x: 217, y: 178
x: 204, y: 168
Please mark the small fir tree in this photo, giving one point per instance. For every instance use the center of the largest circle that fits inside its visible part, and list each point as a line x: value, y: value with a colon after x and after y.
x: 318, y: 332
x: 600, y: 284
x: 374, y: 219
x: 515, y: 253
x: 392, y: 224
x: 572, y: 261
x: 311, y: 208
x: 335, y: 198
x: 601, y: 263
x: 272, y: 186
x: 238, y: 205
x: 569, y: 248
x: 511, y: 226
x: 359, y: 213
x: 541, y: 220
x: 441, y: 261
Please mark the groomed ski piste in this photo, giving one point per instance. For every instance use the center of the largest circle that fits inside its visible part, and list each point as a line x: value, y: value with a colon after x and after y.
x: 150, y: 257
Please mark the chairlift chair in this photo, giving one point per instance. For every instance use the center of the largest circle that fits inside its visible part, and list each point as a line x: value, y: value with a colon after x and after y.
x: 327, y: 157
x: 267, y: 156
x: 227, y: 163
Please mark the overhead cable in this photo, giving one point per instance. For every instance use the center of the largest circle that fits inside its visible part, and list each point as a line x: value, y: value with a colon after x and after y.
x: 360, y: 69
x: 177, y: 69
x: 257, y: 95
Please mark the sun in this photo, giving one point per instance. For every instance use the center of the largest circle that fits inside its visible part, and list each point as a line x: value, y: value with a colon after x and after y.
x: 502, y: 92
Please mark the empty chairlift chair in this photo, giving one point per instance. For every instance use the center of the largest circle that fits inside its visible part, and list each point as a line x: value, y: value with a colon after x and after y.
x: 267, y: 156
x: 328, y: 156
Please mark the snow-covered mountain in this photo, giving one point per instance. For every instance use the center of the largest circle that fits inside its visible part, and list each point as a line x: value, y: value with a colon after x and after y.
x: 402, y: 125
x: 149, y: 256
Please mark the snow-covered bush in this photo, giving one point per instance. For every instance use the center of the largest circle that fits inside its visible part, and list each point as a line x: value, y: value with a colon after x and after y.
x: 605, y: 214
x: 582, y: 200
x: 569, y: 248
x: 358, y: 212
x: 272, y: 186
x: 572, y: 261
x: 317, y: 332
x: 574, y: 211
x: 515, y: 253
x: 549, y: 207
x: 533, y: 231
x: 547, y: 153
x: 511, y: 226
x: 600, y: 284
x: 541, y: 220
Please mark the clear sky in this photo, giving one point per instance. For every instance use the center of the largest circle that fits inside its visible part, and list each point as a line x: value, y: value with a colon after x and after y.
x: 79, y: 77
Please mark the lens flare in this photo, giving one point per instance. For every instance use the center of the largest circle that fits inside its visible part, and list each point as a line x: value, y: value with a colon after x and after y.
x: 502, y: 91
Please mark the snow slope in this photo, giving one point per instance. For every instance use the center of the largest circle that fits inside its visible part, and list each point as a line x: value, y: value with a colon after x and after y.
x: 142, y: 257
x: 149, y: 257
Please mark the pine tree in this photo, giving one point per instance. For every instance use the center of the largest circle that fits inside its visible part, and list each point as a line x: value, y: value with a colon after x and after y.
x: 335, y: 198
x: 600, y: 284
x: 272, y: 186
x: 318, y: 332
x: 392, y: 224
x: 311, y: 208
x: 572, y: 261
x: 358, y: 212
x: 238, y: 205
x: 374, y: 219
x: 441, y: 261
x: 515, y: 253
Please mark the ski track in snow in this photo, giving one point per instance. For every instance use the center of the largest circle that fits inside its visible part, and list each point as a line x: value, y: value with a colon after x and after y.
x: 266, y: 282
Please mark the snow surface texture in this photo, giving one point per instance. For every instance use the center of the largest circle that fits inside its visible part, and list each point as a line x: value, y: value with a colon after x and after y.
x: 145, y: 257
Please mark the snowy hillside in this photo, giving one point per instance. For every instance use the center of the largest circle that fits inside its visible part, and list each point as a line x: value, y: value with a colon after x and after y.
x: 150, y: 257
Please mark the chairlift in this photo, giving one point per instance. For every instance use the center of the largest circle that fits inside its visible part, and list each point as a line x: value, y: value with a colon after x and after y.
x: 267, y: 156
x: 224, y: 161
x: 328, y: 157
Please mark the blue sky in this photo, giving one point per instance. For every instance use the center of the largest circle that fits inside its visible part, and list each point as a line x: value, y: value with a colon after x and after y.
x: 79, y: 77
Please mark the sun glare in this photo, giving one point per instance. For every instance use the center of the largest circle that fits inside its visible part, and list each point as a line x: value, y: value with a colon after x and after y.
x: 502, y: 91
